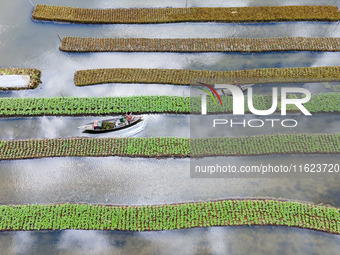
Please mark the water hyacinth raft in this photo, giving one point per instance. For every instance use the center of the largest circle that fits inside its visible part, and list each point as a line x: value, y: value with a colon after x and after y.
x: 231, y: 212
x: 191, y: 14
x: 188, y: 77
x: 171, y: 147
x: 76, y: 44
x: 34, y: 75
x: 80, y: 106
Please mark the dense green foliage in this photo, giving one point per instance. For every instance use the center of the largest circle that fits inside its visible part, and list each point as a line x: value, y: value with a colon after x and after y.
x: 72, y: 106
x: 170, y: 146
x: 265, y: 144
x: 94, y: 147
x: 192, y: 14
x: 92, y: 105
x: 170, y: 216
x: 75, y: 44
x: 189, y: 77
x: 34, y: 75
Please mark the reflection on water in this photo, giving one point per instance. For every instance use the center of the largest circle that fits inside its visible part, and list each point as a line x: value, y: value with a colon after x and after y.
x: 34, y: 44
x: 14, y: 80
x: 54, y: 127
x: 115, y: 180
x: 215, y: 240
x: 166, y: 125
x: 58, y: 69
x: 24, y: 43
x: 236, y: 61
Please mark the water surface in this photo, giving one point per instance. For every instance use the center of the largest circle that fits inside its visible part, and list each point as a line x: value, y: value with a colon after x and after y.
x: 215, y: 240
x: 28, y: 44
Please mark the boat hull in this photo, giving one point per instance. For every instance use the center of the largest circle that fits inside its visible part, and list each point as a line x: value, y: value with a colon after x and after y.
x: 89, y: 128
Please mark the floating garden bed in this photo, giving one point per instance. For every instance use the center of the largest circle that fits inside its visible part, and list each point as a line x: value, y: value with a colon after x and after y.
x: 34, y: 75
x: 192, y: 14
x: 77, y: 106
x: 167, y: 147
x: 76, y: 44
x: 232, y: 212
x: 189, y: 77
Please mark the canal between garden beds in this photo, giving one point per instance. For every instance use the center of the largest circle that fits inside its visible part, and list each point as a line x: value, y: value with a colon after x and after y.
x: 126, y: 181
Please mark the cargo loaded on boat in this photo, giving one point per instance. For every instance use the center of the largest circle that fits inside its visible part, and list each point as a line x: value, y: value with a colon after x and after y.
x: 115, y: 123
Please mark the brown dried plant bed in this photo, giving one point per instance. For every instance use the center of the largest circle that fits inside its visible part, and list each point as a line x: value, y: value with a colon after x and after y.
x: 188, y: 77
x: 34, y: 74
x: 229, y: 212
x: 171, y: 147
x: 76, y: 44
x: 192, y: 14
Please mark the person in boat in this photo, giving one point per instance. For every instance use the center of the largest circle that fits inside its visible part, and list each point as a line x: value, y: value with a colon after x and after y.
x: 129, y: 117
x: 236, y: 83
x: 97, y: 124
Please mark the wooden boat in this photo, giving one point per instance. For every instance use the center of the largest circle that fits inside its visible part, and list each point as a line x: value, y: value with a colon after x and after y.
x: 112, y: 124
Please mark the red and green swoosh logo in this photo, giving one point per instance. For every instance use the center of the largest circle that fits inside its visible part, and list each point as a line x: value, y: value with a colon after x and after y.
x: 209, y: 93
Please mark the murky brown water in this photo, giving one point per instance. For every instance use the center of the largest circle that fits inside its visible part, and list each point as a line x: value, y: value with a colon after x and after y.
x: 24, y: 43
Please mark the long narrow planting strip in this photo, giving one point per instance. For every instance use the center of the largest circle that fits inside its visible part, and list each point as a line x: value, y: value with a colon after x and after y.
x: 232, y: 212
x: 193, y: 14
x: 77, y: 106
x: 77, y: 44
x: 34, y: 75
x: 167, y: 147
x: 188, y: 77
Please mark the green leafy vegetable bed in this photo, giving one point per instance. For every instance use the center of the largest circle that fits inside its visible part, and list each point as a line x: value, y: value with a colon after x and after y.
x: 75, y: 44
x: 193, y: 14
x: 163, y: 147
x: 74, y: 106
x: 170, y: 216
